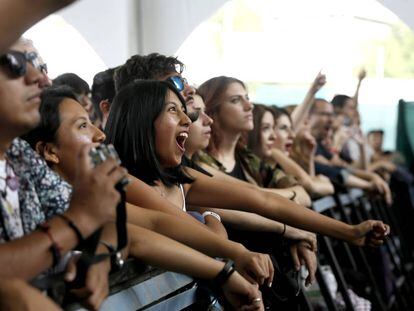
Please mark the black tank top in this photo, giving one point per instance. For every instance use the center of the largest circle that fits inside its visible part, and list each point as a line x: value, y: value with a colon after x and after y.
x: 237, y: 171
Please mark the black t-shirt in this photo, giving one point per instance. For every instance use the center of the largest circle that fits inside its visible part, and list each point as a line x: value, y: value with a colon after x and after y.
x: 321, y: 150
x: 237, y: 171
x: 191, y: 164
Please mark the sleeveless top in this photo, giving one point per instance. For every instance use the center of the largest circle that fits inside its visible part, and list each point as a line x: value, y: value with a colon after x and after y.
x: 183, y: 196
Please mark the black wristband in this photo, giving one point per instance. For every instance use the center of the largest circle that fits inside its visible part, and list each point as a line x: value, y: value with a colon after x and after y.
x: 116, y: 256
x: 72, y: 225
x: 294, y: 195
x: 284, y: 230
x: 225, y: 273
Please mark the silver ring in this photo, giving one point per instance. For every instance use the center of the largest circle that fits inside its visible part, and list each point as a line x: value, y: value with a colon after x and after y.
x: 256, y: 300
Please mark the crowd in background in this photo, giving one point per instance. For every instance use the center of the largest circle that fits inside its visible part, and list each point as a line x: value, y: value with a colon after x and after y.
x: 214, y: 185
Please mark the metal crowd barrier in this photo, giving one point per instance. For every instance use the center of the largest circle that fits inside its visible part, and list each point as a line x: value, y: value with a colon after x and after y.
x: 139, y: 287
x: 353, y: 207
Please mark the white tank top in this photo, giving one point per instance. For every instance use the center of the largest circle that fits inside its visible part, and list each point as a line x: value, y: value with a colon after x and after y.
x: 183, y: 195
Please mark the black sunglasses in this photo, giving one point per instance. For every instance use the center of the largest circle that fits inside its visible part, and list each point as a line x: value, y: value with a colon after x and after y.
x: 16, y: 62
x: 194, y: 115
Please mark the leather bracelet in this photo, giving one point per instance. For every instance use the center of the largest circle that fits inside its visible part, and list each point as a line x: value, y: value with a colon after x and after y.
x: 294, y: 195
x: 225, y: 273
x: 55, y: 249
x: 284, y: 230
x: 72, y: 225
x: 209, y: 213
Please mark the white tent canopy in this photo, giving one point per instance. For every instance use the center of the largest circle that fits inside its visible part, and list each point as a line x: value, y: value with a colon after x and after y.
x: 118, y: 29
x: 92, y: 35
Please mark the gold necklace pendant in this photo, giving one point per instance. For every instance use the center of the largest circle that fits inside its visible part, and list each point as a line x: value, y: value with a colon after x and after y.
x: 160, y: 191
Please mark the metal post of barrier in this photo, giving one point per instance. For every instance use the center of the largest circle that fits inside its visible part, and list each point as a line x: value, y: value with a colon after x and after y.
x: 403, y: 283
x: 305, y: 304
x: 345, y: 247
x: 343, y: 288
x: 325, y: 205
x: 350, y: 198
x: 330, y: 303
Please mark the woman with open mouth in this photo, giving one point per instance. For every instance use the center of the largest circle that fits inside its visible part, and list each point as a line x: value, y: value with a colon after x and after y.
x: 146, y: 126
x: 149, y: 127
x: 64, y: 129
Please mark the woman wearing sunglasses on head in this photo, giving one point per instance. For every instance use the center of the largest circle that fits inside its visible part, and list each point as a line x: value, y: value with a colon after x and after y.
x: 65, y: 127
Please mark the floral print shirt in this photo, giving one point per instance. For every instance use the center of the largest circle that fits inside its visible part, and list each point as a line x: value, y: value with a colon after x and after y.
x: 42, y: 192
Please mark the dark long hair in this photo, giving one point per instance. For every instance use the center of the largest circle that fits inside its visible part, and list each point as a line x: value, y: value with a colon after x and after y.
x: 212, y: 91
x: 254, y: 139
x: 51, y: 99
x: 146, y: 67
x: 278, y: 112
x: 130, y: 128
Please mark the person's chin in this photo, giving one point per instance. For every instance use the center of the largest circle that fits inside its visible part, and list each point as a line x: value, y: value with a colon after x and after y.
x: 203, y: 146
x: 248, y: 126
x: 176, y: 160
x: 31, y: 121
x: 267, y: 154
x: 204, y: 141
x: 171, y: 163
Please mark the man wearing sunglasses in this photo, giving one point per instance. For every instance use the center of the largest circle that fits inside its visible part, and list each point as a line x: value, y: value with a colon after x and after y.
x: 16, y: 61
x: 31, y: 193
x: 164, y: 68
x: 154, y: 67
x: 158, y: 67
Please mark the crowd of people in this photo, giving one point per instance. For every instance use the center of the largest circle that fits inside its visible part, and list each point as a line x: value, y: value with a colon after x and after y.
x: 218, y: 187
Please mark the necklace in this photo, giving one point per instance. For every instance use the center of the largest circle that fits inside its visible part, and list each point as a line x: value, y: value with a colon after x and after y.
x: 11, y: 181
x: 160, y: 191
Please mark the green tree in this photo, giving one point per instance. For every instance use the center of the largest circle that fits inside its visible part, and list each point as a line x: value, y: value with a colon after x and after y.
x: 399, y: 52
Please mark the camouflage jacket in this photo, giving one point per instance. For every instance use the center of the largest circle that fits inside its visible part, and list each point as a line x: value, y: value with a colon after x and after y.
x: 255, y: 170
